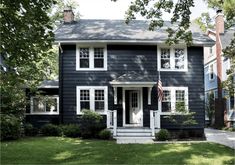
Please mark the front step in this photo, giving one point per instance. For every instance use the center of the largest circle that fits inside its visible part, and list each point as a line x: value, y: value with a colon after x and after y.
x: 133, y: 140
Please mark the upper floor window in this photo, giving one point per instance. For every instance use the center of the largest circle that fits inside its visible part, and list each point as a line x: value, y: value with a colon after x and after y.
x: 91, y: 57
x: 211, y: 72
x: 45, y: 105
x: 93, y: 98
x: 174, y: 97
x: 172, y: 59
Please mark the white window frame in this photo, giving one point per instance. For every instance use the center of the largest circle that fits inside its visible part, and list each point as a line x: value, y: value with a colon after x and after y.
x: 213, y: 71
x: 92, y: 98
x: 172, y: 58
x: 44, y: 113
x: 91, y: 57
x: 173, y: 98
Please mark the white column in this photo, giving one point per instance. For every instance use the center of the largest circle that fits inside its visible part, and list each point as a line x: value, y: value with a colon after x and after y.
x: 152, y: 122
x: 149, y: 95
x: 115, y: 123
x: 115, y: 94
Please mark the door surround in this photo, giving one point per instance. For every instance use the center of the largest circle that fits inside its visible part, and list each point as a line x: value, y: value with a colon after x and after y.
x: 124, y: 89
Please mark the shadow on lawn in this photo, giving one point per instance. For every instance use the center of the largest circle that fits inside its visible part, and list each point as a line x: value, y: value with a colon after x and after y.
x: 107, y: 152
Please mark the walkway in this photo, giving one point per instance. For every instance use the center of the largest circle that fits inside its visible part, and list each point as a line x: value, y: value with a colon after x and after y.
x: 222, y: 137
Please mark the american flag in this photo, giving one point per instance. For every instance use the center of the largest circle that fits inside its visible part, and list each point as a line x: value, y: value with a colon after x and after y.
x: 159, y: 90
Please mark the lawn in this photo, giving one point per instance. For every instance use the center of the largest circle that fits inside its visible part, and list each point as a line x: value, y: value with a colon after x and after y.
x: 57, y: 150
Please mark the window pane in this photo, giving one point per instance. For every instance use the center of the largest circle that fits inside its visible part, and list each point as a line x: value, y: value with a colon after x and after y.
x: 84, y: 57
x: 211, y: 71
x: 179, y: 58
x: 51, y: 105
x: 180, y: 95
x: 99, y: 105
x: 165, y: 58
x: 166, y: 106
x: 38, y: 105
x: 166, y: 96
x: 84, y: 105
x: 99, y: 95
x: 99, y: 57
x: 84, y: 95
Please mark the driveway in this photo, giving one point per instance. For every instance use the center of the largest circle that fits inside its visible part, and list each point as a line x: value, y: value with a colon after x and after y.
x: 222, y: 137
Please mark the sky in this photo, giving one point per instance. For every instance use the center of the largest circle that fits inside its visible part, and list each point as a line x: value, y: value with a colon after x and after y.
x: 107, y: 9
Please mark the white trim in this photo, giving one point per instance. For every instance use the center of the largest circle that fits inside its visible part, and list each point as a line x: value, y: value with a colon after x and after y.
x: 149, y: 95
x: 91, y: 57
x: 124, y: 105
x: 44, y: 113
x: 132, y: 84
x: 172, y: 58
x: 92, y: 97
x: 115, y: 94
x: 129, y: 41
x: 213, y: 71
x: 173, y: 98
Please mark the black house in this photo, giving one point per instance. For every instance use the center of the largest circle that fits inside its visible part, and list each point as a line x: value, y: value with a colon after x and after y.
x: 113, y: 68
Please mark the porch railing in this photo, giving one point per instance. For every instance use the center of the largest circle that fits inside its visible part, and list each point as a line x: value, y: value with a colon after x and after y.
x: 112, y: 121
x: 154, y: 120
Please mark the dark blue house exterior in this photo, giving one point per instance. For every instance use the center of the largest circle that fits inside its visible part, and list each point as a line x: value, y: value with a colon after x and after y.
x: 107, y: 66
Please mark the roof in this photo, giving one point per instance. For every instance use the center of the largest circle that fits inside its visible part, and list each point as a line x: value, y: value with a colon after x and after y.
x: 133, y: 78
x: 227, y: 36
x: 117, y: 30
x: 49, y: 84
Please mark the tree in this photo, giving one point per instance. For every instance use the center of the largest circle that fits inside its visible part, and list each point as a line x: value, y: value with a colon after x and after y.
x: 205, y: 22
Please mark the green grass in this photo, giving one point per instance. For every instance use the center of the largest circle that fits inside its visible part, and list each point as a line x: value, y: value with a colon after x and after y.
x: 57, y: 150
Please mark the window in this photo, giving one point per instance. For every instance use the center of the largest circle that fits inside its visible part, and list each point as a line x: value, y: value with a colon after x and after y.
x: 172, y: 59
x: 173, y: 97
x: 45, y: 105
x: 93, y: 98
x: 91, y: 58
x: 211, y: 72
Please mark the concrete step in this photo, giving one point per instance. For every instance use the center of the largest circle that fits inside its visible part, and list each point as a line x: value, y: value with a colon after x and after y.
x: 134, y: 134
x: 134, y: 130
x: 133, y: 140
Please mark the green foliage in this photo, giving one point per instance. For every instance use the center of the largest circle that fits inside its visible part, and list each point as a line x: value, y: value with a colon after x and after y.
x: 10, y: 127
x: 30, y: 130
x: 71, y: 130
x: 51, y: 130
x: 162, y: 135
x: 105, y: 134
x: 205, y: 22
x: 210, y: 108
x: 90, y: 124
x: 154, y: 11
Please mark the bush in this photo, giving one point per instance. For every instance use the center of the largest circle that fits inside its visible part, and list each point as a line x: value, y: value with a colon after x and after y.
x: 10, y: 127
x: 29, y: 130
x: 105, y: 134
x: 51, y: 130
x: 91, y: 124
x: 71, y: 130
x: 162, y: 135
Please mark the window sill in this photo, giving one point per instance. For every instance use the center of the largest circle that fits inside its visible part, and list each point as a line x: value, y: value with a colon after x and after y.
x: 42, y: 113
x: 173, y: 70
x: 93, y: 69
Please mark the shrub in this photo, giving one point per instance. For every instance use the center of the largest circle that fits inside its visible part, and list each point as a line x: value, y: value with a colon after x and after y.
x: 10, y: 127
x: 29, y: 130
x: 71, y: 130
x: 162, y: 135
x: 51, y: 130
x: 91, y: 124
x: 105, y: 134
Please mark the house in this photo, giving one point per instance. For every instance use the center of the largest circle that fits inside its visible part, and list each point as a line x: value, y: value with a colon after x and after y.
x: 216, y: 65
x: 113, y: 68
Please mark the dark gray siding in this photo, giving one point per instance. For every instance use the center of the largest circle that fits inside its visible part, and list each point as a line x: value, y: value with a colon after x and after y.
x: 123, y: 58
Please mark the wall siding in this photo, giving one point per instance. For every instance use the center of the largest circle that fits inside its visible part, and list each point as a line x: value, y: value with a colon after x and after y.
x: 123, y: 58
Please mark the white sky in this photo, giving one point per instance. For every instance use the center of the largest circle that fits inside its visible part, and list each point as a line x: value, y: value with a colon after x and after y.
x: 107, y: 9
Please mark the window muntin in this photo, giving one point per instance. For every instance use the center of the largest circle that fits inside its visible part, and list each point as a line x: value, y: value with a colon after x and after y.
x: 84, y: 99
x: 84, y: 57
x: 172, y: 58
x: 45, y: 105
x: 98, y: 57
x: 172, y: 97
x: 93, y: 98
x: 165, y: 58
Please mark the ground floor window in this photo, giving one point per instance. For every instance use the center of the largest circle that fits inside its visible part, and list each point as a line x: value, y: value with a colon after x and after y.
x: 174, y: 98
x: 92, y: 98
x: 45, y: 105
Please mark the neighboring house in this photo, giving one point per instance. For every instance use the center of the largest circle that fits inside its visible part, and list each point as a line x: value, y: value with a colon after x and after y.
x: 112, y: 68
x: 215, y: 65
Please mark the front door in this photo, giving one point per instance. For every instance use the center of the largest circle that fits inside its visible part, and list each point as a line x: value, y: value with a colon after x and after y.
x: 133, y: 108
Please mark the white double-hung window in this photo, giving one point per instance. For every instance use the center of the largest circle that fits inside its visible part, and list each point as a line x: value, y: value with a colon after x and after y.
x: 91, y: 57
x: 172, y: 58
x: 94, y: 98
x: 174, y: 97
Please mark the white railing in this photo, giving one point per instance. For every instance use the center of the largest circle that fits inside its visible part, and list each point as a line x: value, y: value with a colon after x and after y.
x: 154, y: 120
x: 112, y: 121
